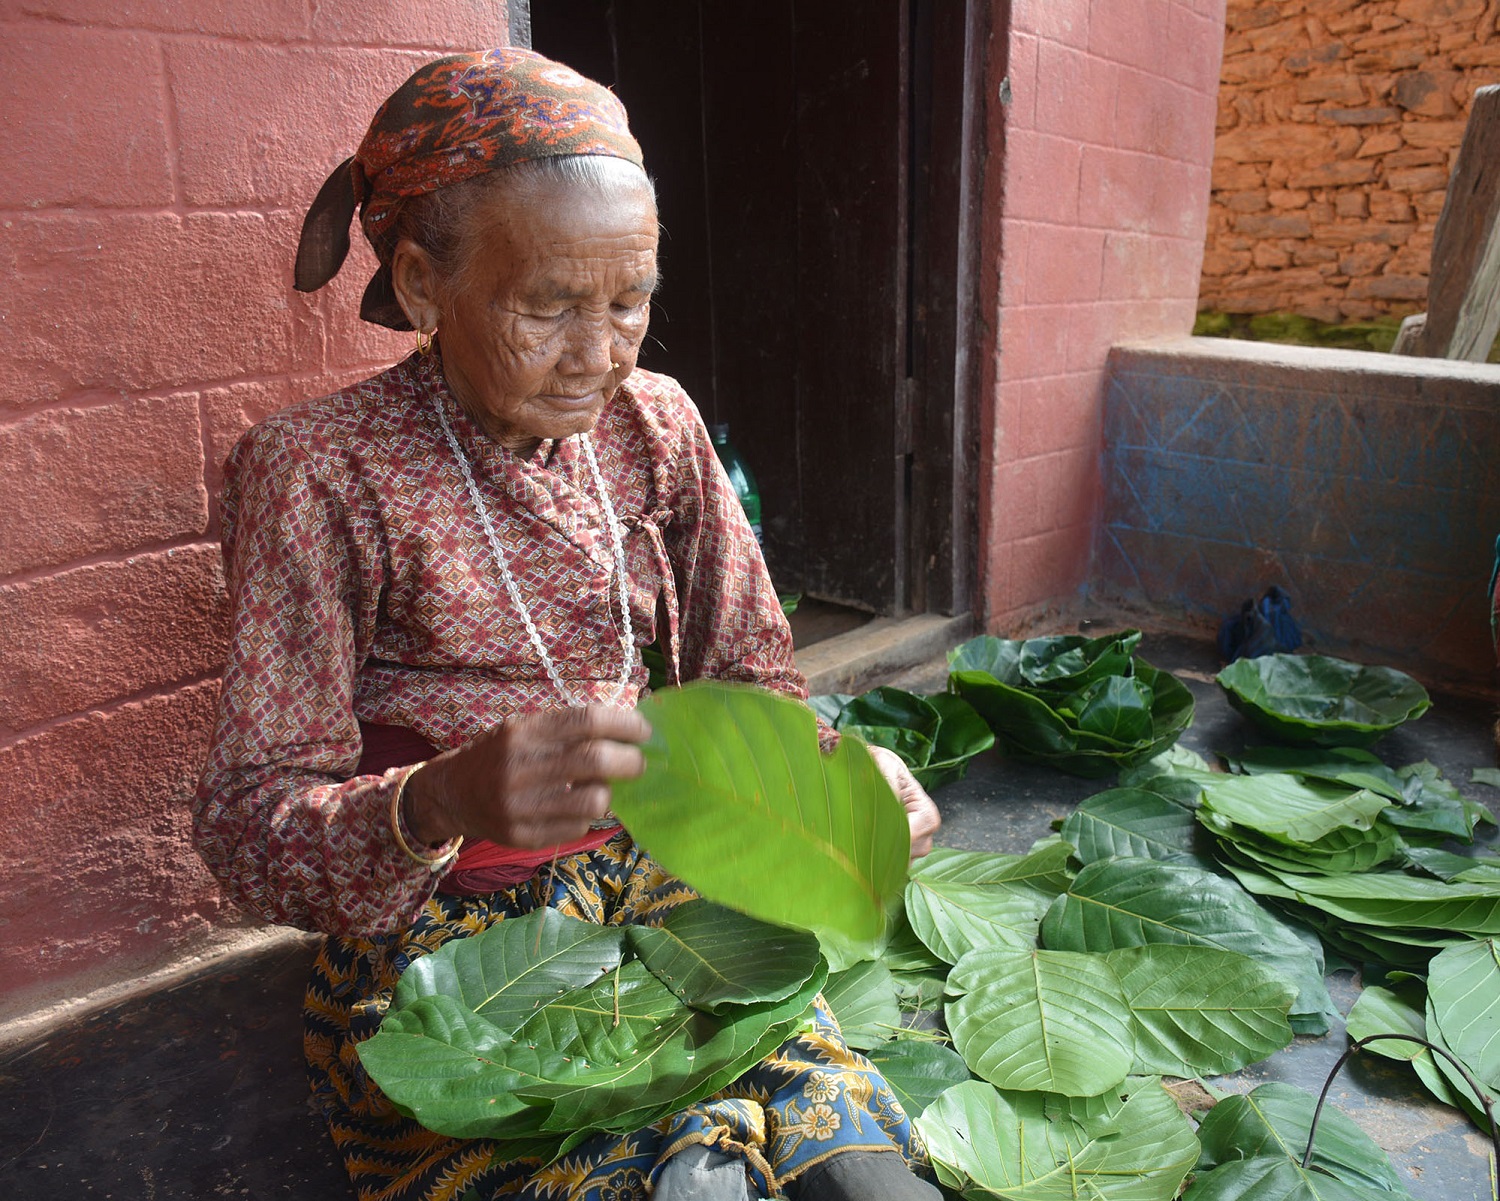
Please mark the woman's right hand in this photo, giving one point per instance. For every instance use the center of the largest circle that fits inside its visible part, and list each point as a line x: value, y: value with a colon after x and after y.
x: 531, y: 782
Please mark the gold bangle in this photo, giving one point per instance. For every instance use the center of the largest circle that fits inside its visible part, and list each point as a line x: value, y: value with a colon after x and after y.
x: 432, y: 863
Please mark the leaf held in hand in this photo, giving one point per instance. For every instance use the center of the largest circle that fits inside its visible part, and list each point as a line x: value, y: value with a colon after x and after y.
x: 739, y: 802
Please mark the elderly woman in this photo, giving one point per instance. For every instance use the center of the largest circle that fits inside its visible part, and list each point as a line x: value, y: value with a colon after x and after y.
x: 442, y: 578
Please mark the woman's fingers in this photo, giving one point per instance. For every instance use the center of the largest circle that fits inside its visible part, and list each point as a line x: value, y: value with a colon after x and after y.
x: 922, y: 816
x: 595, y: 743
x: 534, y: 780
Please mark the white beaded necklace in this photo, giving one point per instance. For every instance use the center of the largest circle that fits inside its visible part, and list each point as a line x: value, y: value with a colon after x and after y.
x: 627, y: 637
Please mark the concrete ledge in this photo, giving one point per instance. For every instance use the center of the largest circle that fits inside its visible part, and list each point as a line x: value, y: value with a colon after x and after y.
x: 227, y: 948
x: 859, y: 659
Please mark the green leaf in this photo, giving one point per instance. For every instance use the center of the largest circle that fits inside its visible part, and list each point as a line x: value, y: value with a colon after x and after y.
x: 887, y: 706
x: 710, y: 957
x: 1396, y: 1010
x: 1462, y: 1093
x: 1290, y: 810
x: 1135, y: 902
x: 1199, y: 1010
x: 1023, y: 723
x: 1031, y: 1147
x: 914, y: 747
x: 908, y: 953
x: 1273, y: 1122
x: 1463, y: 986
x: 997, y: 657
x: 1132, y: 822
x: 736, y: 794
x: 1274, y: 1179
x: 1335, y: 765
x: 863, y: 999
x: 1387, y: 899
x: 1176, y: 760
x: 918, y: 1071
x: 917, y: 991
x: 1430, y: 803
x: 829, y: 705
x: 953, y: 918
x: 1032, y: 726
x: 506, y: 972
x: 660, y: 1056
x: 1044, y: 1021
x: 1346, y: 849
x: 1446, y: 866
x: 1044, y: 867
x: 1486, y: 775
x: 1076, y: 660
x: 588, y: 1041
x: 1320, y: 700
x: 961, y: 735
x: 1400, y: 1009
x: 1116, y: 707
x: 445, y: 1066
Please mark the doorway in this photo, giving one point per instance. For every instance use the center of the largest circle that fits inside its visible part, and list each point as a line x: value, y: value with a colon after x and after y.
x: 817, y: 166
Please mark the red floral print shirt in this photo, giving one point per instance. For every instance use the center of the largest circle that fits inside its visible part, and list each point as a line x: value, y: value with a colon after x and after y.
x: 363, y: 590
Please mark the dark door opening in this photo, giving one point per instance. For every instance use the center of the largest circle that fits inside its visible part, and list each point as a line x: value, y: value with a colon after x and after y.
x: 817, y: 168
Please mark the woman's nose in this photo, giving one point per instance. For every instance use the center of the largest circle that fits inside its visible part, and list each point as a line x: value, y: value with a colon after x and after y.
x: 590, y: 346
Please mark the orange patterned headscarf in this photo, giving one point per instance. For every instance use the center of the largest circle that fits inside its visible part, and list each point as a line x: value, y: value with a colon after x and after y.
x: 456, y: 118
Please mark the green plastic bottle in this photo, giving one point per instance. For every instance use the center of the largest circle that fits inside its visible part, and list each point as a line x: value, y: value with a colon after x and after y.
x: 740, y: 475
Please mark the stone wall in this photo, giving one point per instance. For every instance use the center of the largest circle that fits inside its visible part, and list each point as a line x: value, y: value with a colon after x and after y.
x: 1338, y: 124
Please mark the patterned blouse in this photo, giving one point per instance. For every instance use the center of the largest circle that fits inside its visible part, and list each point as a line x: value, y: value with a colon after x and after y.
x: 363, y: 591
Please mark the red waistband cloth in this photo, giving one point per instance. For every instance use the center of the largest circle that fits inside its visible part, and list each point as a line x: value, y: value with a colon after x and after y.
x: 482, y: 866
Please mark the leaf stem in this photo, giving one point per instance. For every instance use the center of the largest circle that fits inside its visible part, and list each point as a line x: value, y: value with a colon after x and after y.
x: 1484, y: 1097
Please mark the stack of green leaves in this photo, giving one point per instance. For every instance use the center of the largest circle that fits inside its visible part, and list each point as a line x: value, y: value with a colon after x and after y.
x: 935, y: 736
x: 1457, y: 1008
x: 1333, y: 845
x: 1088, y: 706
x: 1320, y: 701
x: 542, y: 1030
x: 1425, y: 808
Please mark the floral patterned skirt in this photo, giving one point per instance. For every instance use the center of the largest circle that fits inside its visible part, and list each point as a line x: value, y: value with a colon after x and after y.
x: 811, y: 1099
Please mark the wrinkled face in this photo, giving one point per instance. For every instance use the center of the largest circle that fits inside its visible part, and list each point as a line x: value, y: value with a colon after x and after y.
x: 548, y: 317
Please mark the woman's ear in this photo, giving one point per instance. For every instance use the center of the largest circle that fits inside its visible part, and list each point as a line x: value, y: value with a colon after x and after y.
x: 416, y: 285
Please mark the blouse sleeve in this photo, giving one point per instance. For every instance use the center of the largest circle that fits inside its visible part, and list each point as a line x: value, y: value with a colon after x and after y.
x: 277, y: 818
x: 732, y: 624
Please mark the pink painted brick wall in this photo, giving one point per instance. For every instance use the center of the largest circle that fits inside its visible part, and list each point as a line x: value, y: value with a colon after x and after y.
x: 1095, y: 211
x: 158, y: 159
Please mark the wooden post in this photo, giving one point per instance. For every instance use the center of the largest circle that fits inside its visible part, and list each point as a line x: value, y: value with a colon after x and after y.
x: 1463, y: 293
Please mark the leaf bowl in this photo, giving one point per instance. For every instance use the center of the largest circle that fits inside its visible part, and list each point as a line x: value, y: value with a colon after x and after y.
x: 1316, y: 700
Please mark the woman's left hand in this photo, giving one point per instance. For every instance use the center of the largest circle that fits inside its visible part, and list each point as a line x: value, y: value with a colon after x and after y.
x: 921, y: 814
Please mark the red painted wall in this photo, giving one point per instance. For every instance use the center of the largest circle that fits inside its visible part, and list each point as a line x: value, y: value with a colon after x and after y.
x: 158, y: 156
x: 1094, y: 224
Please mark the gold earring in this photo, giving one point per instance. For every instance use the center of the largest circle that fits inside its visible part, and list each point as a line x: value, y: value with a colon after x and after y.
x: 424, y: 342
x: 614, y: 366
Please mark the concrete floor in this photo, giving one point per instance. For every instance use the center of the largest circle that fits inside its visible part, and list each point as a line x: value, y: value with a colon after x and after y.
x: 197, y: 1091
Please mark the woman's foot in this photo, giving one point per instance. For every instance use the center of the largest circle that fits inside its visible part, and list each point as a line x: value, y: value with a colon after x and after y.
x: 862, y: 1176
x: 700, y: 1173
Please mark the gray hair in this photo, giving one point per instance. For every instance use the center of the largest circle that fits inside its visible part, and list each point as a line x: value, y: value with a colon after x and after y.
x: 439, y: 221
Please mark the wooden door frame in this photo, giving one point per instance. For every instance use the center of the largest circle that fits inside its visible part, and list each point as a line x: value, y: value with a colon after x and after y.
x: 942, y: 405
x: 937, y: 402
